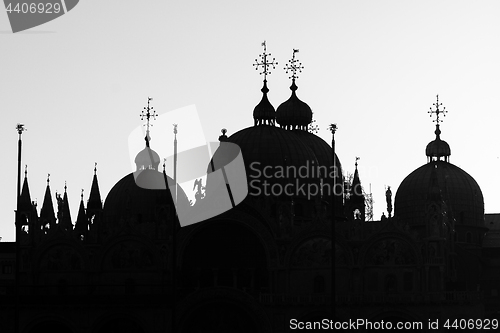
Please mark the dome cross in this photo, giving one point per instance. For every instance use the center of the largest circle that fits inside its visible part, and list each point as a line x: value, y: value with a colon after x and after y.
x: 148, y: 114
x: 437, y: 111
x: 294, y: 66
x: 265, y: 63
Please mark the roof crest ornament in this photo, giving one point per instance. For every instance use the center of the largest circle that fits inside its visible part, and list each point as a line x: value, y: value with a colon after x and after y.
x: 148, y: 114
x: 437, y: 111
x: 265, y: 63
x: 294, y: 66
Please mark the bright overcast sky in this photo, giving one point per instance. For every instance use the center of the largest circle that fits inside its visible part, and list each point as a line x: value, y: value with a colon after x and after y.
x: 80, y: 82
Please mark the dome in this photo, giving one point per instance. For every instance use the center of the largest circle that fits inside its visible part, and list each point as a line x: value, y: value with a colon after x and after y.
x: 264, y: 111
x: 129, y: 204
x: 273, y: 155
x: 457, y: 188
x: 147, y: 159
x: 323, y: 153
x: 438, y: 148
x: 294, y: 112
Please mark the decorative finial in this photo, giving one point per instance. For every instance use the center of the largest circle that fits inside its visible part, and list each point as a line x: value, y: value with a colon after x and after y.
x: 333, y: 128
x: 223, y: 137
x: 149, y: 113
x: 48, y: 178
x: 26, y: 171
x: 265, y: 63
x: 175, y: 128
x: 95, y: 168
x: 65, y: 187
x: 82, y: 194
x: 294, y: 66
x: 437, y: 111
x: 356, y: 163
x: 164, y: 161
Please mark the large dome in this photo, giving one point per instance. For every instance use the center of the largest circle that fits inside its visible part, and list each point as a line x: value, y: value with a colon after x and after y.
x: 128, y: 204
x: 275, y: 155
x: 457, y: 188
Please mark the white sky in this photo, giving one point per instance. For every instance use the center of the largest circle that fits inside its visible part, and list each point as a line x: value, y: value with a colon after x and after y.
x: 80, y: 82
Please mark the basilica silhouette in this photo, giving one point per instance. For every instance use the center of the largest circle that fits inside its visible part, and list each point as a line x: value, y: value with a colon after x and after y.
x: 265, y: 265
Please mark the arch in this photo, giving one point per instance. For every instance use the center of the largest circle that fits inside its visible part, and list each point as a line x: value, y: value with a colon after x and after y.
x: 235, y: 217
x: 146, y: 251
x: 390, y: 249
x: 225, y: 254
x: 317, y: 247
x: 74, y: 247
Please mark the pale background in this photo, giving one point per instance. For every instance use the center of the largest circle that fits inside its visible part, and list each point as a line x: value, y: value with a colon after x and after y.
x: 373, y: 67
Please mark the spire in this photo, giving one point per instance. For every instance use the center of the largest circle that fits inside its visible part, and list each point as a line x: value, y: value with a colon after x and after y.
x: 294, y: 114
x: 25, y: 199
x: 47, y: 211
x: 149, y: 113
x: 264, y: 113
x: 94, y: 202
x: 81, y: 220
x: 438, y: 148
x: 64, y: 214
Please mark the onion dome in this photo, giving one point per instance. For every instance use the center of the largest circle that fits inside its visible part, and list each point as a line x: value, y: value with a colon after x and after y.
x: 438, y: 148
x: 293, y: 113
x: 147, y: 158
x: 264, y: 113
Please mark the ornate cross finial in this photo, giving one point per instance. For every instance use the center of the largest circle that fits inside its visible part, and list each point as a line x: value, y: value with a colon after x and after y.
x: 294, y: 66
x: 265, y: 63
x: 356, y: 163
x: 437, y: 111
x: 65, y: 187
x: 82, y: 194
x: 149, y: 113
x: 48, y: 178
x: 25, y: 170
x: 175, y: 128
x: 95, y: 168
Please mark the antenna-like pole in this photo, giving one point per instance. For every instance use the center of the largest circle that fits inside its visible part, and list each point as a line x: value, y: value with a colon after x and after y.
x: 20, y: 129
x: 175, y: 163
x: 333, y: 129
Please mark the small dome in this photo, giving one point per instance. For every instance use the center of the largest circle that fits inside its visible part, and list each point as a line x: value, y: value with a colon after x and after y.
x: 147, y: 159
x: 264, y: 112
x: 294, y: 112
